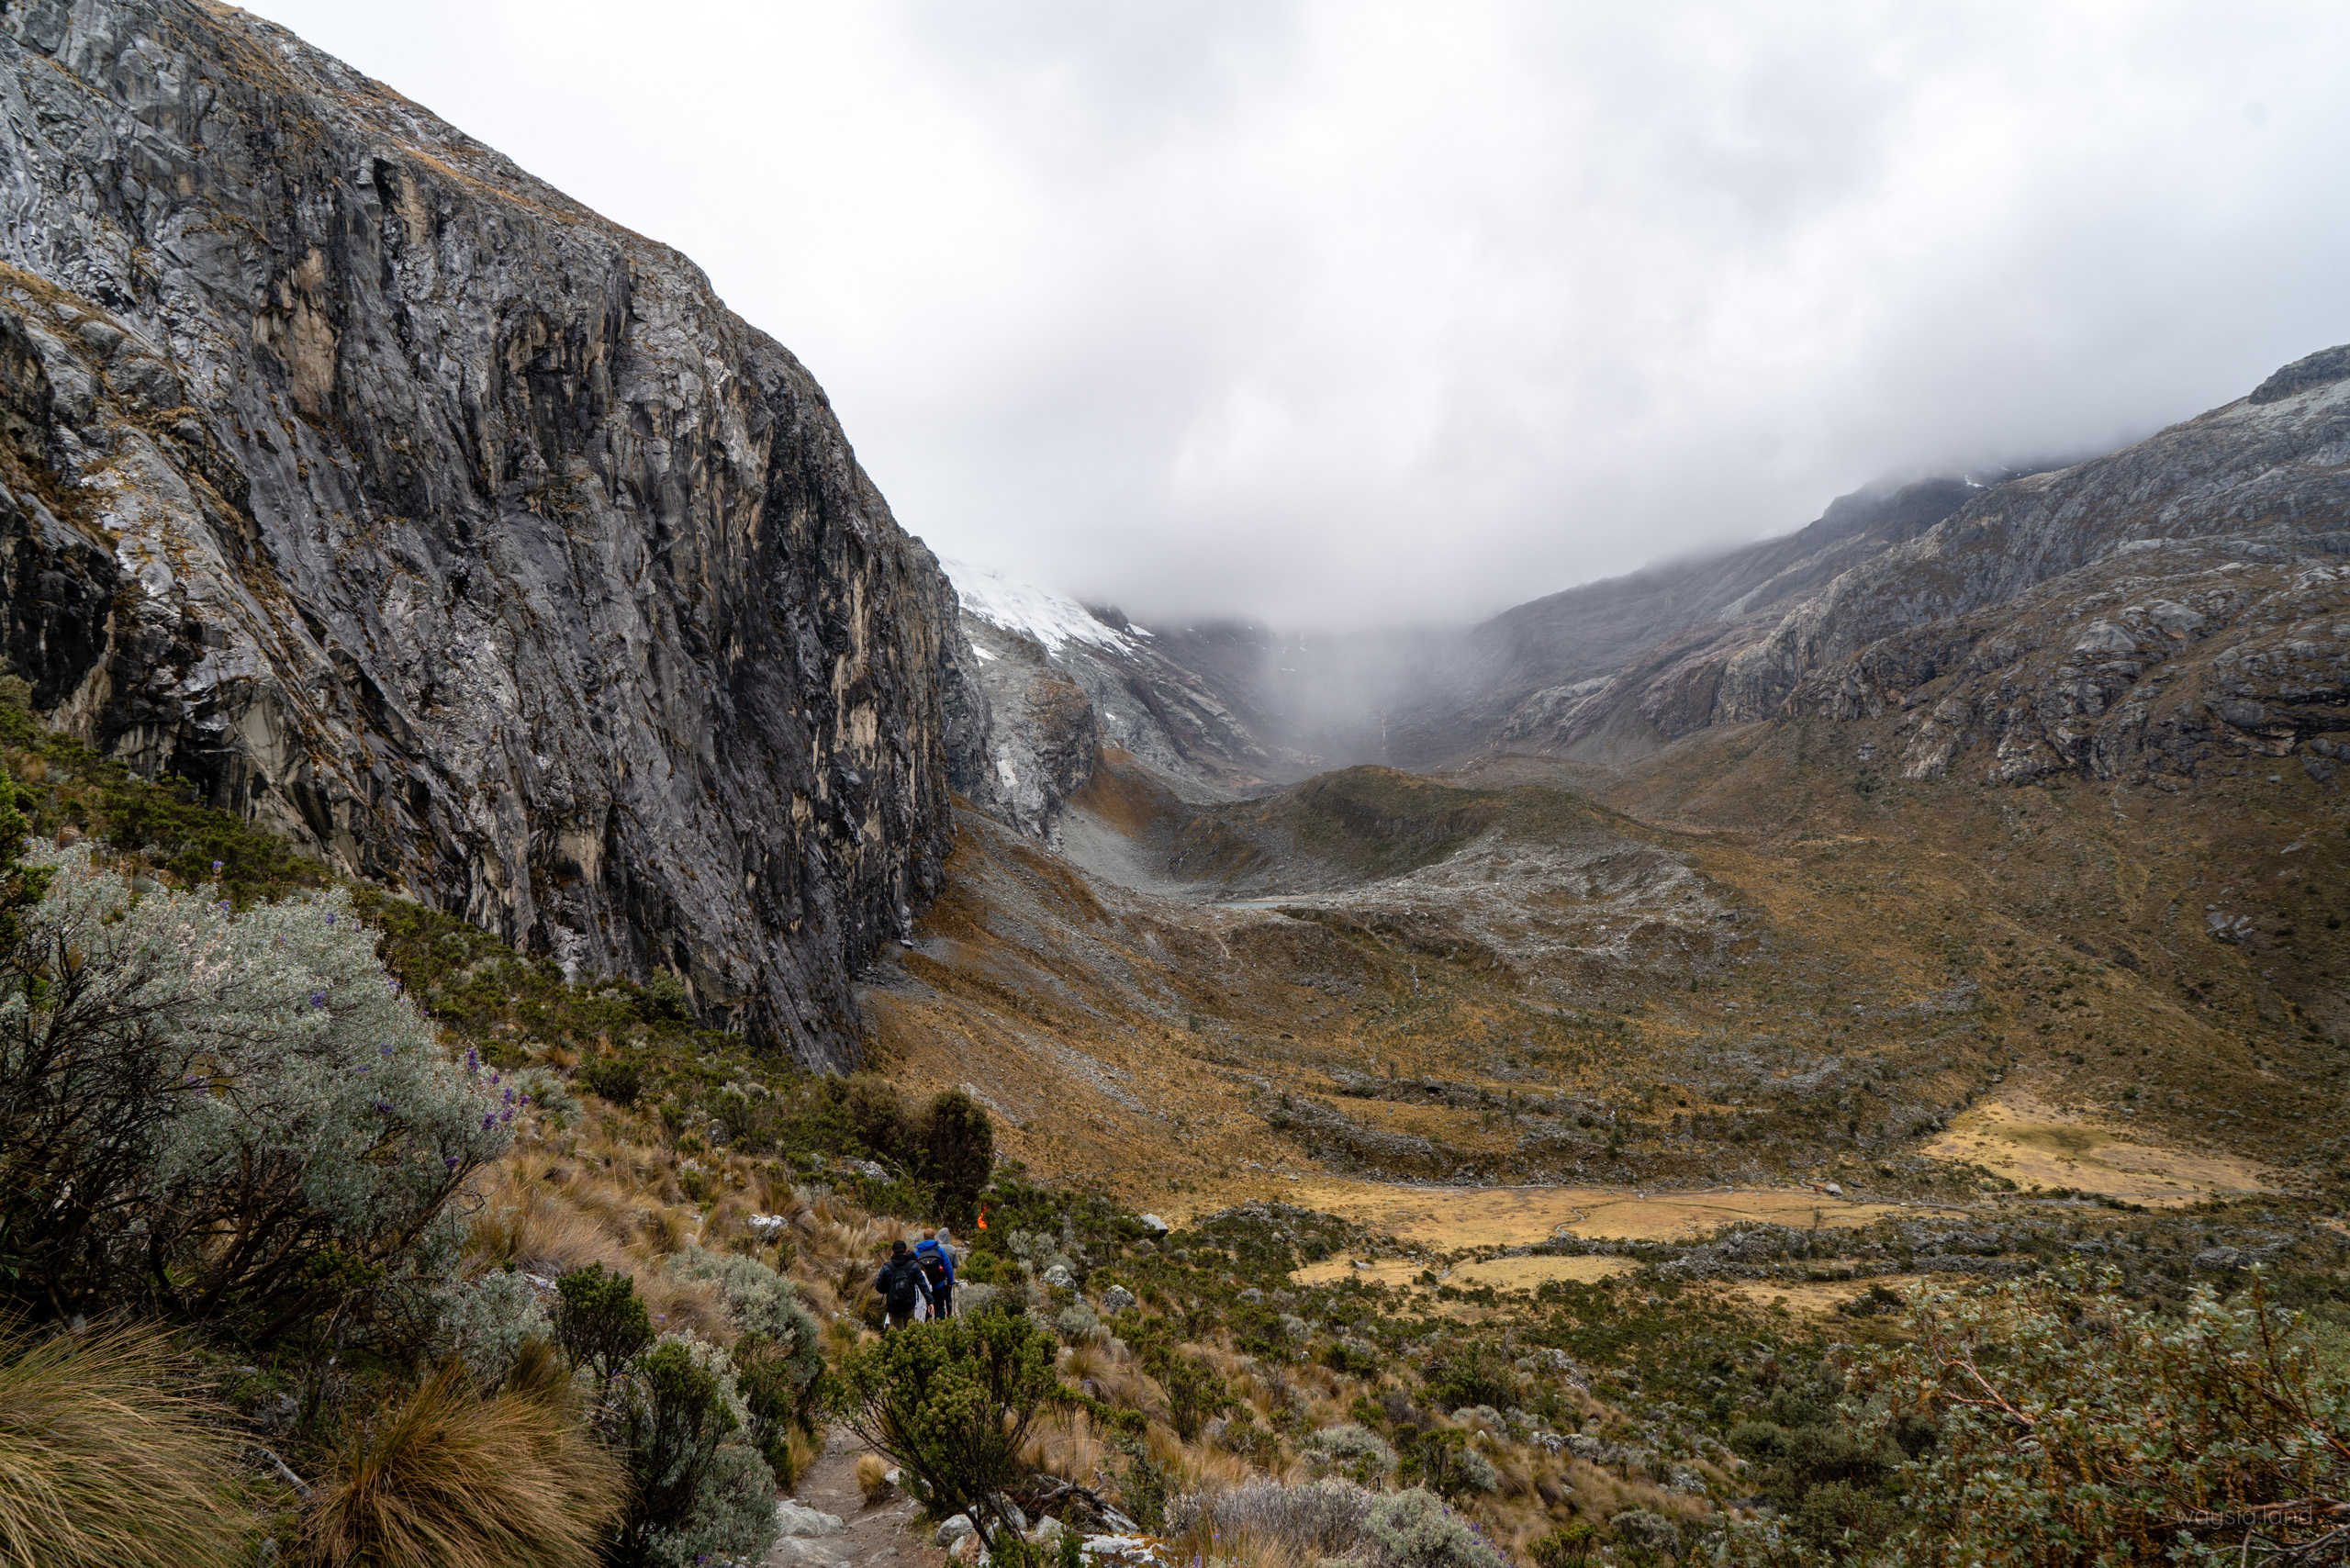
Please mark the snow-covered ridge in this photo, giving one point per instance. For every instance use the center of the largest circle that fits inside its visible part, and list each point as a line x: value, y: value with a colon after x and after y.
x: 1054, y: 620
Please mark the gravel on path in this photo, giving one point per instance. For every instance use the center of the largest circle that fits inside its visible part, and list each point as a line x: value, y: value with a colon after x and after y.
x: 881, y: 1533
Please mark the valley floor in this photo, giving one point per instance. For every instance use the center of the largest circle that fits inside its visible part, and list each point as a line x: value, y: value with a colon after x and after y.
x: 1734, y: 971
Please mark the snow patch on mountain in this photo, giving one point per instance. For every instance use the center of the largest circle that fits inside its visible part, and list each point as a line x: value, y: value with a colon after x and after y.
x: 1054, y: 620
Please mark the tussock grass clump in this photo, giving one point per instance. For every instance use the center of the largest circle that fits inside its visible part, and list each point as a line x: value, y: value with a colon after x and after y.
x: 100, y: 1462
x: 452, y: 1480
x: 1263, y: 1520
x: 873, y: 1478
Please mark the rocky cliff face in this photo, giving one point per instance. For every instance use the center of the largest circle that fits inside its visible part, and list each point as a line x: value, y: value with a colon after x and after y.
x: 1536, y: 664
x: 2134, y: 615
x: 423, y: 515
x: 1054, y: 682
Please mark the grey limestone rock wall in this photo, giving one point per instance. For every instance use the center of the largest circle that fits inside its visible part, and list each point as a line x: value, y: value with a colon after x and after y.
x: 419, y: 512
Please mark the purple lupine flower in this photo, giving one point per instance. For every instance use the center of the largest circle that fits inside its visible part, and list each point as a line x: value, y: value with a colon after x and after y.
x: 366, y: 1068
x: 510, y: 1096
x: 526, y: 1099
x: 496, y: 1078
x: 330, y: 917
x: 385, y: 1107
x: 451, y: 1163
x: 505, y: 1117
x: 318, y: 999
x: 386, y: 1052
x: 487, y: 1123
x: 224, y: 906
x: 473, y: 1059
x: 215, y: 868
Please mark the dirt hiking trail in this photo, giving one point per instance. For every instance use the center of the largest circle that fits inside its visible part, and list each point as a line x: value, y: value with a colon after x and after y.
x: 875, y: 1534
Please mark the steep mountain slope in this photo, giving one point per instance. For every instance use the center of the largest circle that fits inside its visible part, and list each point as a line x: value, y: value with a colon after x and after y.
x: 1061, y: 680
x: 426, y: 517
x: 2156, y: 611
x: 1735, y: 968
x: 1527, y: 665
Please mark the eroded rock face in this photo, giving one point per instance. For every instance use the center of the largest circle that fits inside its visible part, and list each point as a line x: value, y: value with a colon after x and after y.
x: 421, y: 514
x: 1055, y: 682
x: 2185, y: 599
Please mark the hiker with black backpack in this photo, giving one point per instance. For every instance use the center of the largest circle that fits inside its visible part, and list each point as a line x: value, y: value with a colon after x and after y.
x: 937, y: 1261
x: 903, y: 1289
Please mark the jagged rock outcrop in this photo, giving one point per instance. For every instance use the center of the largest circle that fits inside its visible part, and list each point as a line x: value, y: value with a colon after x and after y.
x: 1543, y: 655
x: 1056, y: 681
x: 2130, y: 615
x: 423, y: 515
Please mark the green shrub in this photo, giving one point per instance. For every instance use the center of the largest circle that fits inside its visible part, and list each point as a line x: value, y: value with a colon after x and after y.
x: 1476, y: 1372
x: 1145, y: 1484
x: 2076, y: 1426
x: 876, y: 1115
x: 780, y: 1357
x: 450, y: 1480
x: 692, y: 1491
x: 21, y: 886
x: 179, y: 1074
x: 664, y: 999
x: 1355, y: 1452
x: 773, y: 1400
x: 1442, y: 1460
x: 1414, y: 1530
x: 611, y: 1079
x: 952, y: 1404
x: 1195, y: 1391
x: 958, y: 1144
x: 1646, y: 1536
x: 1566, y: 1546
x: 101, y: 1462
x: 598, y: 1321
x: 551, y: 1098
x: 486, y: 1322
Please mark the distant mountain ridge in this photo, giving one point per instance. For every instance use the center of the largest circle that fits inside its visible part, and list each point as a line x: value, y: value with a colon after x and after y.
x: 2136, y: 612
x: 1913, y: 595
x: 1535, y: 660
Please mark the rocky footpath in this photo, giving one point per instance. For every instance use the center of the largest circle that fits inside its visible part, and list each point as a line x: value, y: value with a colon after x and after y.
x: 416, y: 512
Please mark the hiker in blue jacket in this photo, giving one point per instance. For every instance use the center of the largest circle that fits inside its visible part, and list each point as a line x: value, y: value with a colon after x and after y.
x: 936, y: 1256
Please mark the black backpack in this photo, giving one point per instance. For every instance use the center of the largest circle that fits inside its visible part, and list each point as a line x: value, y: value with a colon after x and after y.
x: 904, y: 1288
x: 933, y: 1267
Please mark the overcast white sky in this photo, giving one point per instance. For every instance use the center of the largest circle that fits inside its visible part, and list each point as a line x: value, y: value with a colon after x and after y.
x: 1349, y: 312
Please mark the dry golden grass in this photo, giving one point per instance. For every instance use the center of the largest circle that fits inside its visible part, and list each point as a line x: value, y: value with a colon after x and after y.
x: 2078, y: 936
x: 2016, y: 1135
x: 873, y: 1478
x: 100, y: 1462
x: 537, y: 1226
x: 452, y: 1480
x: 1065, y: 1444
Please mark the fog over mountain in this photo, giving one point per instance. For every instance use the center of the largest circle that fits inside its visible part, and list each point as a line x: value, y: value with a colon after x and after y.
x: 1347, y: 314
